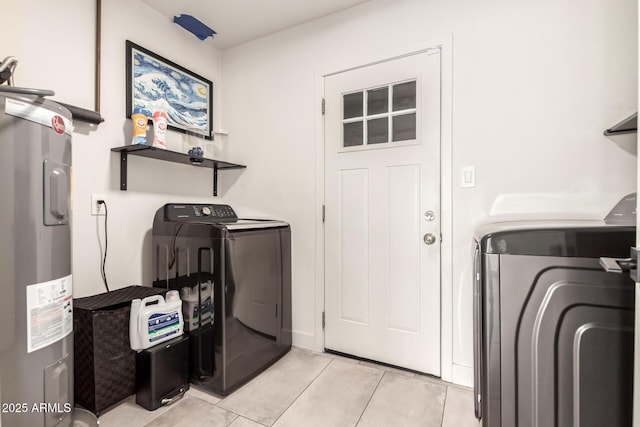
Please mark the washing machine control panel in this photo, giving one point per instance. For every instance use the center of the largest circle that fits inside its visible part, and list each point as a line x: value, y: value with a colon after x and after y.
x: 199, y: 213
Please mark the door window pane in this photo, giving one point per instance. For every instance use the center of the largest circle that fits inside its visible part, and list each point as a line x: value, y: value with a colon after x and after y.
x: 404, y: 127
x: 404, y: 96
x: 380, y: 115
x: 352, y: 105
x: 377, y: 131
x: 352, y: 134
x: 377, y: 101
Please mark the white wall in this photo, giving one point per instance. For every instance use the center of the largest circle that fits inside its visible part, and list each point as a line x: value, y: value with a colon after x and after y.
x: 534, y: 85
x: 54, y: 42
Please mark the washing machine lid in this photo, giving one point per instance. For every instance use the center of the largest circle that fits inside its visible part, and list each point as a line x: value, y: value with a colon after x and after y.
x: 252, y: 224
x: 590, y: 239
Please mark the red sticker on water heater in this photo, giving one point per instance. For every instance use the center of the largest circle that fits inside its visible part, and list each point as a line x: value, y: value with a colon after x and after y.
x: 57, y: 123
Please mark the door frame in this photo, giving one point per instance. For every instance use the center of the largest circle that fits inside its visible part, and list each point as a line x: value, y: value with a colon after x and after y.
x: 445, y: 44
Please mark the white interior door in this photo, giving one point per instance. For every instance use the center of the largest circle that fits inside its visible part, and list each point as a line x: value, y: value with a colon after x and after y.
x: 382, y: 204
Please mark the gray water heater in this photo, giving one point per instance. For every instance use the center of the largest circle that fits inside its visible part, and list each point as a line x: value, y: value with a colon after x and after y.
x: 36, y: 313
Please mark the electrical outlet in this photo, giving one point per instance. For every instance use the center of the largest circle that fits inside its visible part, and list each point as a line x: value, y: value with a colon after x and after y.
x: 97, y: 209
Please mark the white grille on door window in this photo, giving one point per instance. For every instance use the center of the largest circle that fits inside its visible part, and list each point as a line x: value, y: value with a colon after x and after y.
x: 379, y: 115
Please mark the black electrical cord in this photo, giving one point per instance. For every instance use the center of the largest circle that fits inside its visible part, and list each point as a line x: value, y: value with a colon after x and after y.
x: 173, y: 246
x: 104, y: 257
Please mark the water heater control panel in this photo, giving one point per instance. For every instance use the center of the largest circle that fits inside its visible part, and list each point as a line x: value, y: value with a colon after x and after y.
x: 199, y: 213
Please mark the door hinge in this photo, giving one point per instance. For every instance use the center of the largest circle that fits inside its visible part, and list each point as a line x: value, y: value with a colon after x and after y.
x: 323, y: 320
x: 323, y: 106
x: 323, y: 213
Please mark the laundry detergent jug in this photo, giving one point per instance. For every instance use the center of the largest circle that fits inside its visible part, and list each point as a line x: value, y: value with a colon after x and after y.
x: 154, y: 320
x: 191, y: 310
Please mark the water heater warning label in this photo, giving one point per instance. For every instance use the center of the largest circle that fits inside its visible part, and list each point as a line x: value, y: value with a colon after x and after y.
x: 49, y: 312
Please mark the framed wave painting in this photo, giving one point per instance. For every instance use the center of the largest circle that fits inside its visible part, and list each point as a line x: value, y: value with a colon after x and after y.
x: 157, y: 84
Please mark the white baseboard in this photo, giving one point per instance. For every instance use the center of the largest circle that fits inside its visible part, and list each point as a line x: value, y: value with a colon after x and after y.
x: 304, y: 340
x: 462, y: 375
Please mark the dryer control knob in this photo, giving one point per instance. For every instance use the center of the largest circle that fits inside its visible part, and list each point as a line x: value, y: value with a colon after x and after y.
x: 206, y: 211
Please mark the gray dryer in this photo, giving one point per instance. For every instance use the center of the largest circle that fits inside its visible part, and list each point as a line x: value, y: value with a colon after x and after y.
x: 553, y: 332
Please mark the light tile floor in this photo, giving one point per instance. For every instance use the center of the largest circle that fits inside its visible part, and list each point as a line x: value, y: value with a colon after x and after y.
x: 312, y: 389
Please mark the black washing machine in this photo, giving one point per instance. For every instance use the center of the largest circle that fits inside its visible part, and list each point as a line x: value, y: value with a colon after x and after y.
x: 234, y: 278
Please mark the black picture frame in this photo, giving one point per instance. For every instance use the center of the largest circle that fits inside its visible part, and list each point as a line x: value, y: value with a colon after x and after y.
x: 156, y: 83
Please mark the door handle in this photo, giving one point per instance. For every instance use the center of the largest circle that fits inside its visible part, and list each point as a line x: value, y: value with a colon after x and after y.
x: 429, y: 239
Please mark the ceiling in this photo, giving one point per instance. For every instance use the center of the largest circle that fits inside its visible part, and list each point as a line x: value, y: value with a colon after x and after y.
x: 239, y: 21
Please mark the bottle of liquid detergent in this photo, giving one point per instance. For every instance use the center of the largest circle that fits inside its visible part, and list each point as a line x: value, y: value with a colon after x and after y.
x: 190, y: 310
x: 198, y: 315
x: 154, y: 320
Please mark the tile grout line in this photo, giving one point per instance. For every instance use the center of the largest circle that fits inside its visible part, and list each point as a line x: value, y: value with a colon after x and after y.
x: 231, y: 412
x: 258, y: 422
x: 240, y: 416
x: 302, y: 392
x: 233, y: 420
x: 444, y: 406
x: 216, y: 405
x: 370, y: 397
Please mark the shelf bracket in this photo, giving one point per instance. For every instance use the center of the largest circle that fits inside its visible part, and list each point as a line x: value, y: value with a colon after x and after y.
x: 215, y: 180
x: 123, y: 170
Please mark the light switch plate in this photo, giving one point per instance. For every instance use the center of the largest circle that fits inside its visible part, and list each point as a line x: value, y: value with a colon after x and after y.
x: 468, y: 177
